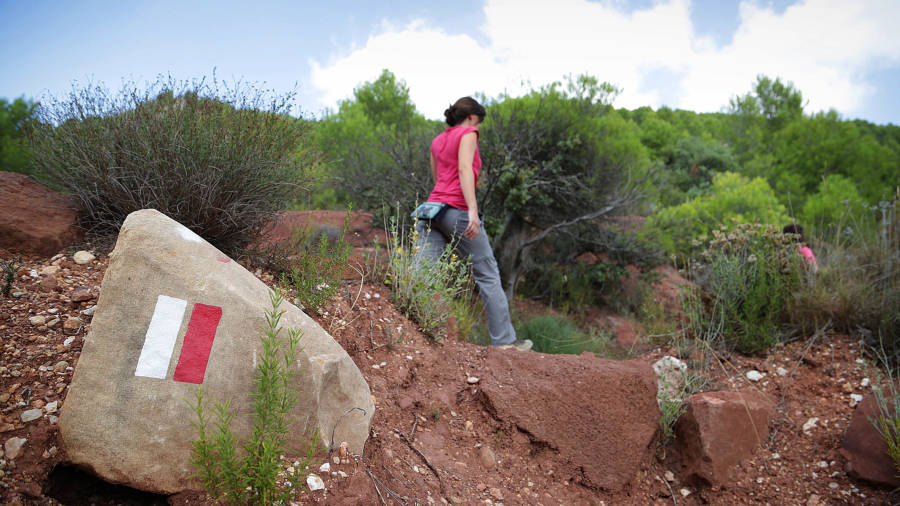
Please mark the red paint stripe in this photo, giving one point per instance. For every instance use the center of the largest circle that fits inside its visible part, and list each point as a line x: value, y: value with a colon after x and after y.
x: 198, y: 342
x: 223, y: 260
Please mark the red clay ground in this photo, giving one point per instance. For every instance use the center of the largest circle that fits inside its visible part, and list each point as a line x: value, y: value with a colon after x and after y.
x: 480, y: 459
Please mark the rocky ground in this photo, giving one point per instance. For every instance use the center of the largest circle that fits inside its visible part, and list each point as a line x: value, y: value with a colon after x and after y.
x: 434, y: 438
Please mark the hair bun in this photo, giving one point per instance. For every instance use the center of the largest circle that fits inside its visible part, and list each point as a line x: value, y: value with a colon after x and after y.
x: 448, y: 112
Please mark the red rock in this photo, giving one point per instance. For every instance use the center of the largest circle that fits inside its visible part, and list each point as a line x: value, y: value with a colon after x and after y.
x: 600, y: 415
x: 81, y: 294
x: 716, y: 433
x: 47, y: 283
x: 34, y: 218
x: 864, y: 449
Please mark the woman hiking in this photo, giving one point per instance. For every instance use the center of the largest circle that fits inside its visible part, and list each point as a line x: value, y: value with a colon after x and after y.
x: 451, y: 214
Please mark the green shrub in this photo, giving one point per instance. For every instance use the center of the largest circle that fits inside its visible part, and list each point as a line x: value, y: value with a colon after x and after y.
x: 219, y: 160
x: 731, y: 200
x: 558, y: 334
x: 248, y: 473
x: 315, y: 267
x: 887, y: 400
x: 836, y: 203
x: 16, y: 121
x: 749, y: 276
x: 421, y: 289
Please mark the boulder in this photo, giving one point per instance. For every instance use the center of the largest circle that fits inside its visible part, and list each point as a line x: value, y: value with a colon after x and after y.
x: 175, y: 314
x: 864, y: 449
x: 599, y: 415
x: 718, y: 431
x: 34, y: 218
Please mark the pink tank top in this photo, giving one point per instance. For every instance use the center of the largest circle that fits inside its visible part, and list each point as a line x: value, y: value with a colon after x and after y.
x: 445, y: 149
x: 807, y: 254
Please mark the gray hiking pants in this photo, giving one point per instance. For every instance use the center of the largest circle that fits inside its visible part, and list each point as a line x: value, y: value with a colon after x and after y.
x: 432, y: 240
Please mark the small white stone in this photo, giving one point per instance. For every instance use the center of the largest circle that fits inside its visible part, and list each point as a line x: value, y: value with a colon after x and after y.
x: 776, y: 456
x: 810, y: 424
x: 383, y: 364
x: 376, y: 366
x: 34, y: 273
x: 324, y: 468
x: 68, y: 342
x: 53, y: 310
x: 409, y: 357
x: 472, y: 380
x: 89, y: 311
x: 314, y: 482
x: 416, y: 468
x: 833, y: 486
x: 860, y: 361
x: 669, y: 476
x: 342, y: 474
x: 855, y: 399
x: 13, y: 447
x: 337, y: 460
x: 38, y: 320
x: 82, y: 257
x: 685, y: 492
x: 32, y: 414
x: 754, y: 375
x: 822, y: 464
x: 781, y: 371
x: 864, y: 383
x: 815, y: 475
x: 51, y: 407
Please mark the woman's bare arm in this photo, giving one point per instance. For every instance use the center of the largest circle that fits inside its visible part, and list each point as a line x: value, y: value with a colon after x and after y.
x: 467, y: 181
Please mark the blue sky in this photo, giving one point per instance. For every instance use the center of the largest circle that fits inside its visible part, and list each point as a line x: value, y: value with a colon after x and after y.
x: 691, y: 54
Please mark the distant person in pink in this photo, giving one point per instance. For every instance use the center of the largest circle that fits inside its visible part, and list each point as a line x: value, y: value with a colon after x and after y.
x: 797, y: 230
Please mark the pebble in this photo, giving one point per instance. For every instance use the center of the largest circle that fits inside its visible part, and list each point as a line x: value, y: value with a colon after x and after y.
x: 855, y: 399
x: 53, y: 322
x: 833, y: 486
x: 53, y: 419
x: 781, y: 371
x: 481, y: 487
x: 822, y: 464
x: 685, y: 492
x: 60, y: 366
x: 314, y: 482
x: 49, y: 270
x: 864, y: 383
x: 68, y: 342
x: 487, y: 458
x: 89, y: 311
x: 32, y: 414
x: 342, y: 474
x: 38, y: 320
x: 754, y: 375
x: 83, y: 257
x: 13, y: 447
x: 81, y: 294
x: 472, y: 380
x: 669, y: 476
x: 810, y: 424
x: 72, y: 326
x: 497, y: 494
x: 336, y: 460
x: 324, y: 468
x: 51, y: 407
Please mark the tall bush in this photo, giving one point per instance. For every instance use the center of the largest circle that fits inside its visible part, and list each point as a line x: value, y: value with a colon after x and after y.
x: 732, y: 199
x: 221, y: 160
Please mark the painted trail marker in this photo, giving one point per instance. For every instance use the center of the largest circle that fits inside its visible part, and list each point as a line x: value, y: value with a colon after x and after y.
x: 162, y: 335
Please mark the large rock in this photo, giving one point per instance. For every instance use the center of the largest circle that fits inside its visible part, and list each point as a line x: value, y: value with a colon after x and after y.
x: 718, y: 431
x: 168, y: 303
x: 865, y: 450
x: 34, y: 218
x: 599, y: 415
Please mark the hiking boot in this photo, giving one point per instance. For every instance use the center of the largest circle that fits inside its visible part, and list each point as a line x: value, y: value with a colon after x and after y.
x: 520, y: 344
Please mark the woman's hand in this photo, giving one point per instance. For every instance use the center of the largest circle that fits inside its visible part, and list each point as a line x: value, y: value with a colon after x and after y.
x: 474, y: 225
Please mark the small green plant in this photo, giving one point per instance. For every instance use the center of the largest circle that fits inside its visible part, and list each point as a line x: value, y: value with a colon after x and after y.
x: 552, y: 333
x: 248, y: 473
x: 424, y: 290
x: 10, y: 268
x: 887, y: 399
x: 671, y: 407
x: 316, y: 267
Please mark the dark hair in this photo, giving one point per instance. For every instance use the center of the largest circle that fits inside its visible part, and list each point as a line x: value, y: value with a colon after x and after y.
x: 458, y: 112
x: 794, y: 228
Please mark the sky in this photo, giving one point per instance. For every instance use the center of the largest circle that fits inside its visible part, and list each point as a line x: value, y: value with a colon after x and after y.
x: 685, y: 54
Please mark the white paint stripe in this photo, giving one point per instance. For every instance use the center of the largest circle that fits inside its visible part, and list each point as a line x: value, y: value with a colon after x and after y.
x: 161, y: 336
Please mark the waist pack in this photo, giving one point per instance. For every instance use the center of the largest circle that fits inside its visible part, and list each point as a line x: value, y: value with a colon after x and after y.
x: 430, y: 210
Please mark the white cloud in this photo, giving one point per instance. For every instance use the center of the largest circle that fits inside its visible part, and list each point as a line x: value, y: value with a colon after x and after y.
x: 823, y: 46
